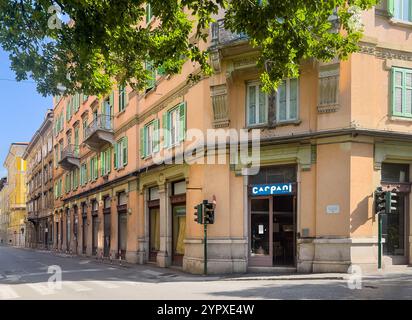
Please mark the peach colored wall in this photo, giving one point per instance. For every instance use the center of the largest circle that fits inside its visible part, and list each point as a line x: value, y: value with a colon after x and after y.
x: 362, y: 188
x: 307, y: 200
x: 333, y: 188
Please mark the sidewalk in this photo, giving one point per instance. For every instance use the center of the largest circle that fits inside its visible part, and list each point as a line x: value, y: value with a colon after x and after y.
x: 178, y: 272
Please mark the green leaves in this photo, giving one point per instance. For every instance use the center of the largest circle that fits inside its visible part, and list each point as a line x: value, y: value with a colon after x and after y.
x: 108, y: 41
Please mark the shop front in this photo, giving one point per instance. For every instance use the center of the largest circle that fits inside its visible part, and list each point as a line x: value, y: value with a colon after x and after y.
x: 272, y: 217
x: 178, y: 204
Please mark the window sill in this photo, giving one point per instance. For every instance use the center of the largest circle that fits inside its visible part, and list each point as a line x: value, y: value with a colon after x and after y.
x: 402, y: 23
x: 287, y: 123
x: 400, y: 118
x: 120, y: 113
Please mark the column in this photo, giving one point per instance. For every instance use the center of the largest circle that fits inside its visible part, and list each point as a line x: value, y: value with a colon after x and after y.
x: 164, y: 256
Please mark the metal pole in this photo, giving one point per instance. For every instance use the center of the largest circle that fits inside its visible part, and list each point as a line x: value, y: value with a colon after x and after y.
x: 205, y: 249
x: 379, y: 241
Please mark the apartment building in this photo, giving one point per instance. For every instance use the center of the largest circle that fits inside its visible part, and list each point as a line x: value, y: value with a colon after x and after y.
x: 39, y: 186
x: 15, y: 194
x: 4, y: 218
x: 327, y: 140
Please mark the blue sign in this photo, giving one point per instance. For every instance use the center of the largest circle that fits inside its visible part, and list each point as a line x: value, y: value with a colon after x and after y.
x: 271, y: 189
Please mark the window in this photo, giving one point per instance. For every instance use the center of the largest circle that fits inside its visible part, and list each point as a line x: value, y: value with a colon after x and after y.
x: 257, y: 105
x: 122, y: 98
x: 152, y: 74
x: 149, y: 14
x: 83, y: 174
x: 67, y: 183
x: 120, y: 153
x: 84, y: 128
x: 94, y: 168
x: 75, y: 174
x: 149, y: 139
x: 174, y: 125
x: 328, y: 86
x: 400, y: 9
x: 402, y: 92
x: 105, y: 162
x: 287, y: 100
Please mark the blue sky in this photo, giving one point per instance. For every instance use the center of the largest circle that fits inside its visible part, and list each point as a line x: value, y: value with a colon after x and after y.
x: 22, y: 109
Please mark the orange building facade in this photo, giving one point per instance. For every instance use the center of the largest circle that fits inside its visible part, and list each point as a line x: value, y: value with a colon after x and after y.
x: 332, y: 137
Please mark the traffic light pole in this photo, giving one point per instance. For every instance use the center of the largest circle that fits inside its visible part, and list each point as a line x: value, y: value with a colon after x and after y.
x: 379, y: 241
x: 205, y: 249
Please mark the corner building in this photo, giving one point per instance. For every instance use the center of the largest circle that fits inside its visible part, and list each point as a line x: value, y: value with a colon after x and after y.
x: 328, y: 140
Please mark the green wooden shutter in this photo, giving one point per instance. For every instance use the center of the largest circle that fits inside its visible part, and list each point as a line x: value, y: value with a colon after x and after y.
x: 148, y: 12
x: 142, y: 142
x: 126, y: 96
x: 391, y: 7
x: 102, y: 163
x: 156, y: 135
x: 182, y: 121
x: 115, y: 154
x: 108, y: 160
x: 125, y: 155
x: 166, y: 132
x: 111, y: 100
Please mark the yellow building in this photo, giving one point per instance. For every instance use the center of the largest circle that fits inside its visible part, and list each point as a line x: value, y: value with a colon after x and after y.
x: 16, y: 194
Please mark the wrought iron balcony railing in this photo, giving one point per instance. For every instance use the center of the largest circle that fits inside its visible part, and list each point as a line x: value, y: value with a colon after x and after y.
x: 221, y: 35
x: 70, y: 151
x: 101, y: 122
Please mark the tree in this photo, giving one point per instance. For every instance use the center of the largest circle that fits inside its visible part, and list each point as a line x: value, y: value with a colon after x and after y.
x: 86, y: 46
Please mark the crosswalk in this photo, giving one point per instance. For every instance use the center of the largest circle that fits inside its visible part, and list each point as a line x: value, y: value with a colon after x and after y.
x: 33, y: 290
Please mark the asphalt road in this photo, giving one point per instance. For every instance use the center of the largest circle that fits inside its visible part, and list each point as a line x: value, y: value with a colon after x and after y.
x: 24, y: 275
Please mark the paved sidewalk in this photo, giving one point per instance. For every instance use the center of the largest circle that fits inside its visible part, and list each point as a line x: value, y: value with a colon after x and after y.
x: 178, y: 272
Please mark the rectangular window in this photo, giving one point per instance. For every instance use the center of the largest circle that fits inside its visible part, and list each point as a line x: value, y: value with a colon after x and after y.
x: 83, y: 174
x: 84, y: 128
x: 287, y: 100
x: 149, y: 139
x: 174, y: 125
x: 149, y: 14
x: 122, y: 98
x: 256, y: 105
x: 120, y: 153
x: 94, y: 168
x: 401, y: 9
x: 402, y: 92
x: 105, y: 162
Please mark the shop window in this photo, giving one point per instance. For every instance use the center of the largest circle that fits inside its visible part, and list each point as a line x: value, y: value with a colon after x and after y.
x: 179, y: 187
x: 392, y: 172
x: 279, y: 174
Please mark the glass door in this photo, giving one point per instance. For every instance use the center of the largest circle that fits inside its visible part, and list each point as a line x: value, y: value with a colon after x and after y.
x: 122, y: 234
x: 95, y: 230
x: 179, y: 231
x: 154, y: 233
x: 84, y: 234
x: 107, y: 230
x: 261, y: 250
x: 393, y: 229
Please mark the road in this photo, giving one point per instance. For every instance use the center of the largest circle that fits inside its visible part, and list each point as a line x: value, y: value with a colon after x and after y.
x: 24, y: 275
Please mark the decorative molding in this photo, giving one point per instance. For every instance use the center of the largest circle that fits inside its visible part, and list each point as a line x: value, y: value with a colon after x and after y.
x: 216, y: 59
x: 381, y: 52
x: 391, y: 152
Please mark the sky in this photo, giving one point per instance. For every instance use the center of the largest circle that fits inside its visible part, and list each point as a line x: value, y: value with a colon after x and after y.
x: 22, y: 109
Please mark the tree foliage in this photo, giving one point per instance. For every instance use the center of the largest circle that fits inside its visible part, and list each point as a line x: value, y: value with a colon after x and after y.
x: 108, y: 41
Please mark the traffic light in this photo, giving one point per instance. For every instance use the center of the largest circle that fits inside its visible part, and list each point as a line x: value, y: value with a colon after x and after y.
x: 209, y: 213
x: 380, y: 201
x: 199, y: 213
x: 390, y: 202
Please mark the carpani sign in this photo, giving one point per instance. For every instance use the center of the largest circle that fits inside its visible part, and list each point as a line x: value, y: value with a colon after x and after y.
x: 271, y: 189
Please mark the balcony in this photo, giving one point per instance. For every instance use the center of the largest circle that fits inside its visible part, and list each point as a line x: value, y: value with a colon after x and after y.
x: 223, y: 37
x: 99, y: 132
x: 70, y: 157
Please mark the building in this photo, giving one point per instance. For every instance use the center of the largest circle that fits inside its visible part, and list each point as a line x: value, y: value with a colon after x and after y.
x: 327, y: 140
x: 39, y: 177
x: 4, y: 218
x: 16, y: 194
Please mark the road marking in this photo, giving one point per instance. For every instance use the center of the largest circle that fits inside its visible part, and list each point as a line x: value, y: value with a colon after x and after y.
x: 84, y: 262
x: 124, y: 281
x: 76, y: 286
x: 104, y: 284
x: 6, y: 292
x: 41, y: 289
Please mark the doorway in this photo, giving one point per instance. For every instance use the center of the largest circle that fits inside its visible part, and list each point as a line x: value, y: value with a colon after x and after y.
x: 394, y: 231
x: 273, y: 231
x: 154, y: 233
